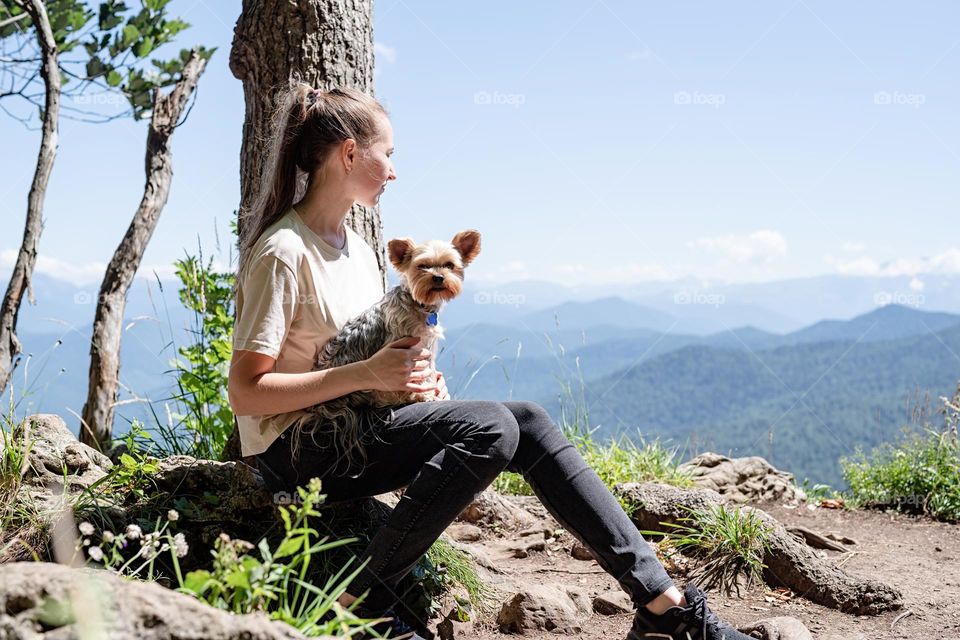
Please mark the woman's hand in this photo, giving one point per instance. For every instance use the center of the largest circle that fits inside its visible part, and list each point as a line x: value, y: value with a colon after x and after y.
x: 442, y: 387
x: 399, y: 366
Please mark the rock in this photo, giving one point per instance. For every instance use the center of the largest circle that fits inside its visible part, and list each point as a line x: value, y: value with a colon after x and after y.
x: 464, y: 532
x: 491, y: 508
x: 613, y: 602
x: 741, y: 480
x: 35, y: 602
x: 580, y: 552
x: 56, y: 464
x: 778, y: 628
x: 53, y: 451
x: 545, y: 607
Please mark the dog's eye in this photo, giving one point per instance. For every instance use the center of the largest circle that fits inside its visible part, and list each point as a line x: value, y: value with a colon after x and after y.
x: 449, y: 265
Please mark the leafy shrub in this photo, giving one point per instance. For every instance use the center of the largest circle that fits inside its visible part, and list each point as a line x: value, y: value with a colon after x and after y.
x: 918, y: 474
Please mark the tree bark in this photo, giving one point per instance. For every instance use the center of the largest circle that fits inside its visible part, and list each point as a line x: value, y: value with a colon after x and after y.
x: 10, y: 346
x: 98, y: 411
x: 790, y: 562
x: 328, y: 43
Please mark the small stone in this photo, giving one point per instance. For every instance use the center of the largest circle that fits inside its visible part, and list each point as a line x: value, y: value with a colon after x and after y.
x: 613, y: 602
x: 580, y: 552
x: 464, y: 532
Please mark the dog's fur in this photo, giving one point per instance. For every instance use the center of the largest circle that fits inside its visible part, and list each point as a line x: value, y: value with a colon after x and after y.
x: 431, y: 274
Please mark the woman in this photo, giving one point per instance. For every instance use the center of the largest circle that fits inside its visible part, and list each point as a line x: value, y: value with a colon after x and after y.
x: 302, y: 274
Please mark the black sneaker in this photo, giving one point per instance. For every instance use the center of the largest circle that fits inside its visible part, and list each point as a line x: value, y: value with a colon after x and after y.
x: 393, y: 629
x: 693, y: 622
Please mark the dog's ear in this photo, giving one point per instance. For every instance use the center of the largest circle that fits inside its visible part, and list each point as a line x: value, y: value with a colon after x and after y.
x: 400, y: 250
x: 468, y: 244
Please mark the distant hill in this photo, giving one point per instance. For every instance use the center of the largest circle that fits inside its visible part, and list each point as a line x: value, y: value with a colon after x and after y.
x: 801, y: 406
x: 886, y: 323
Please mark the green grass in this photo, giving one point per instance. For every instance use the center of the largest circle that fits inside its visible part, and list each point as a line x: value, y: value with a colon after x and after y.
x: 21, y: 526
x: 730, y: 543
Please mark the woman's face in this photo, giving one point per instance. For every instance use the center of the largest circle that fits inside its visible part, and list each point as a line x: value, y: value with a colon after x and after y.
x: 374, y: 169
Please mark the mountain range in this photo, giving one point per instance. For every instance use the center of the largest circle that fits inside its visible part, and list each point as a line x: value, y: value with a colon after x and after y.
x: 731, y: 368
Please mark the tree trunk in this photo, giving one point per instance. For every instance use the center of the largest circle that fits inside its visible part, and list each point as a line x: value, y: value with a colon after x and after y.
x: 97, y: 418
x: 328, y: 43
x: 27, y: 257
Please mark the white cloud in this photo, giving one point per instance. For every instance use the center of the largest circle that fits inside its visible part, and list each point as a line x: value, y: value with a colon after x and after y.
x: 387, y: 52
x: 916, y: 284
x: 87, y: 273
x: 853, y: 247
x: 760, y: 246
x: 947, y: 263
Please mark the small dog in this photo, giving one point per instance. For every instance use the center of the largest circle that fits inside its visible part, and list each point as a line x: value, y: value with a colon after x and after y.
x: 431, y: 274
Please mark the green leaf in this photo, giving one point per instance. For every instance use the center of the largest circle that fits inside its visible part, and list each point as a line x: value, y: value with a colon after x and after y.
x: 144, y: 47
x: 130, y: 35
x: 94, y: 67
x: 196, y: 581
x: 114, y: 78
x: 288, y: 547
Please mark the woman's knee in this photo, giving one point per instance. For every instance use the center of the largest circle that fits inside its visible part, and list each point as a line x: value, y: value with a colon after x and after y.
x: 531, y: 416
x: 498, y: 422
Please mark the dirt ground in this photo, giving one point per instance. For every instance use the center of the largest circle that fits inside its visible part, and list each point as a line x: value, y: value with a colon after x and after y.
x: 919, y: 556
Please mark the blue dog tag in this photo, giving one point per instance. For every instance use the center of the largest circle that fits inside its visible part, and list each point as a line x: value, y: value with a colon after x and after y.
x: 432, y: 319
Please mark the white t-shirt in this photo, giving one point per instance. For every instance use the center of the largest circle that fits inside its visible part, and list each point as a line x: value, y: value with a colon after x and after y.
x: 295, y: 293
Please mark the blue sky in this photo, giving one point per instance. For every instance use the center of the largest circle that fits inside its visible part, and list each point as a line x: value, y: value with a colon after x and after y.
x: 589, y: 142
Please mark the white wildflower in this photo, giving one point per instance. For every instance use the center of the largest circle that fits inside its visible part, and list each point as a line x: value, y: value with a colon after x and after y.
x: 86, y: 528
x: 95, y: 553
x: 172, y: 515
x: 133, y: 531
x: 180, y: 544
x: 108, y: 537
x: 146, y: 551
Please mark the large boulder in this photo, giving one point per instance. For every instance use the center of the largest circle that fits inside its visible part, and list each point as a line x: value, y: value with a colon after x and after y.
x: 44, y: 600
x: 750, y: 479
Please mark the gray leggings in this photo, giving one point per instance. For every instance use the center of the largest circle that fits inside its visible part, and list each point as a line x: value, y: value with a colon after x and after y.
x: 446, y: 453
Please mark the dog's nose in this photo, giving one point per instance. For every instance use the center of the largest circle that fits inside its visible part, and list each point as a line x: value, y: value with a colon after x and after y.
x: 438, y: 279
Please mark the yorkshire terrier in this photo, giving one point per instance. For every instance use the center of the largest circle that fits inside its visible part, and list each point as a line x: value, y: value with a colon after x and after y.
x: 431, y: 274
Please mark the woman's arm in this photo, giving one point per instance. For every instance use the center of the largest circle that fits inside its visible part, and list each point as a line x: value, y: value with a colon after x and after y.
x: 255, y: 389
